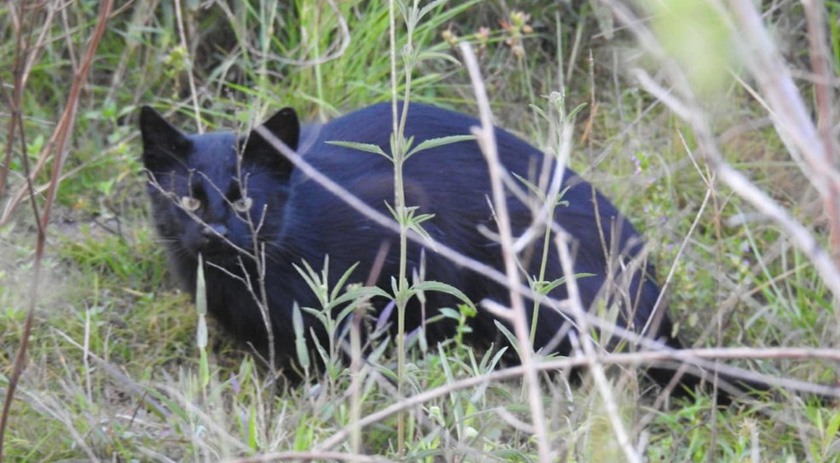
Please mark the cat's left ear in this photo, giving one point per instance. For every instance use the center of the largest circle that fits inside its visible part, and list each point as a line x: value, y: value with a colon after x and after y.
x: 164, y: 146
x: 286, y: 127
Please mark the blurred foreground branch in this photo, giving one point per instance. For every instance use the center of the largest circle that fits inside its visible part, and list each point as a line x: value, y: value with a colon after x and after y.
x: 56, y: 146
x: 784, y: 103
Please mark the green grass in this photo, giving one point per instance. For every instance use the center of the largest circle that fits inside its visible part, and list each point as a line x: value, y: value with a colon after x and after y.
x: 138, y: 395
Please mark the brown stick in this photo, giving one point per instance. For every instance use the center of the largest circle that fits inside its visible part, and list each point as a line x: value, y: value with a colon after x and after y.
x: 13, y: 101
x: 814, y: 14
x: 698, y: 356
x: 22, y: 67
x: 65, y: 124
x: 16, y: 123
x: 69, y: 117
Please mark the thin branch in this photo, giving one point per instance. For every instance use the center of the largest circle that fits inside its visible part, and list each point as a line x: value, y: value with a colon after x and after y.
x: 814, y: 14
x: 183, y: 37
x: 786, y: 110
x: 699, y: 357
x: 596, y: 369
x: 790, y: 115
x: 312, y: 455
x: 62, y: 130
x: 486, y: 138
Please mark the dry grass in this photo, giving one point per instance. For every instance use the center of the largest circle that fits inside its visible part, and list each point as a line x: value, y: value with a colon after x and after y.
x: 694, y: 132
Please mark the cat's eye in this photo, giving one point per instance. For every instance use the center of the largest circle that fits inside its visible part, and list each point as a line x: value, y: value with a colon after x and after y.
x: 242, y: 204
x: 189, y: 203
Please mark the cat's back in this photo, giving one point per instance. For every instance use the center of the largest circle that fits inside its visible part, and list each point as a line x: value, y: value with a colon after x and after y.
x: 451, y: 181
x: 455, y: 168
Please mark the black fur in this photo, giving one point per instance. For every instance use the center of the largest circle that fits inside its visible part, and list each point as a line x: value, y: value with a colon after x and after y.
x: 300, y: 221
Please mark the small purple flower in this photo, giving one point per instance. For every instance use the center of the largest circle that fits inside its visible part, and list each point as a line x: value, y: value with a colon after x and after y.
x: 234, y: 384
x: 637, y: 163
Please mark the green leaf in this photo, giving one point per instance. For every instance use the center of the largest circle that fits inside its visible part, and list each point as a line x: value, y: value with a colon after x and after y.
x: 541, y: 194
x: 421, y: 339
x: 421, y: 231
x: 467, y: 310
x: 394, y: 286
x: 201, y: 332
x: 510, y: 337
x: 488, y: 364
x: 444, y: 362
x: 200, y: 289
x: 374, y: 356
x: 533, y: 188
x: 342, y: 281
x: 429, y: 7
x: 316, y: 283
x: 245, y: 370
x: 833, y: 426
x: 170, y: 404
x: 300, y: 337
x: 358, y: 293
x: 546, y: 287
x: 443, y: 288
x: 201, y: 328
x: 366, y: 147
x: 433, y: 55
x: 435, y: 142
x: 577, y: 109
x: 252, y: 427
x: 308, y: 275
x: 320, y: 314
x: 397, y: 217
x: 204, y: 369
x: 325, y: 356
x: 540, y: 112
x: 450, y: 313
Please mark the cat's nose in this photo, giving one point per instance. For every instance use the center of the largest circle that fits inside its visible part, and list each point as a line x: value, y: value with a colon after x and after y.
x: 213, y: 231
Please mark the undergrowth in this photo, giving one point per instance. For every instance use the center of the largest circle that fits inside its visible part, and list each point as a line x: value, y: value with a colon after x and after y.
x: 113, y: 372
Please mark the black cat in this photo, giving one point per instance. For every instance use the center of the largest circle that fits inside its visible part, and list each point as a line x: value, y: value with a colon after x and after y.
x: 206, y: 199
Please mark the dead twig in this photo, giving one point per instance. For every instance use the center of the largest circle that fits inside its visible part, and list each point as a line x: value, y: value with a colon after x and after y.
x: 590, y: 355
x: 786, y: 108
x: 60, y: 135
x: 814, y: 14
x: 311, y: 456
x: 486, y: 138
x: 700, y: 357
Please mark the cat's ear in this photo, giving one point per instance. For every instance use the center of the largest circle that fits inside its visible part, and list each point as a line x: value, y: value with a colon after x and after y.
x: 163, y: 144
x: 284, y: 125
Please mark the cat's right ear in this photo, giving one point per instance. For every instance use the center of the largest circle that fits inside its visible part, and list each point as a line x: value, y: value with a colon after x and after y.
x: 163, y: 144
x: 285, y: 126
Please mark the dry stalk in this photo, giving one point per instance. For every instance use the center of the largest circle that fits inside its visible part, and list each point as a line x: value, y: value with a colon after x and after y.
x: 486, y: 138
x: 815, y: 16
x: 314, y: 455
x: 60, y: 135
x: 700, y: 357
x: 787, y: 111
x: 190, y: 78
x: 25, y: 56
x: 596, y: 369
x: 13, y: 100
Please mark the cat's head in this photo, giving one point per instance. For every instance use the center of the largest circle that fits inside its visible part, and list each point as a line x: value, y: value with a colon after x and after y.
x: 217, y: 194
